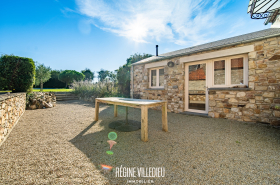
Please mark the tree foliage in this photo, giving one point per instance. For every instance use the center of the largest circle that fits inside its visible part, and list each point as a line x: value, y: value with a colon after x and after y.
x: 53, y: 82
x: 16, y: 73
x: 123, y: 73
x: 103, y: 74
x: 89, y: 75
x: 68, y: 76
x: 43, y: 74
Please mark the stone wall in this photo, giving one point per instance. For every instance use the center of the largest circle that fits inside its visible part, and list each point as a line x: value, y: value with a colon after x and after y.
x: 12, y: 106
x: 173, y: 90
x: 256, y: 103
x: 261, y: 102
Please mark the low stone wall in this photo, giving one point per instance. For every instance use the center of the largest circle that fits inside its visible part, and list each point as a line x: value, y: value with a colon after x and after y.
x: 250, y: 106
x: 12, y: 106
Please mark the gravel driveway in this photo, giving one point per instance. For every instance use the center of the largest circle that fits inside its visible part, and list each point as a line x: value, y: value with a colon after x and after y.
x: 63, y: 145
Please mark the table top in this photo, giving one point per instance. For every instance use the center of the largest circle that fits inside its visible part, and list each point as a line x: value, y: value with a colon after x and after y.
x: 130, y: 101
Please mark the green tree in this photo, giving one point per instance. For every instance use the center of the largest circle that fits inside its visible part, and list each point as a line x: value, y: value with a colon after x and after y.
x: 43, y: 74
x: 89, y: 75
x: 123, y: 73
x: 103, y: 74
x: 68, y: 76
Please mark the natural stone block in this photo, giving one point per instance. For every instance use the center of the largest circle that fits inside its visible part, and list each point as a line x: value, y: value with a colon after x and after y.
x: 268, y: 94
x: 233, y: 100
x: 276, y: 113
x: 261, y: 88
x: 272, y: 81
x: 220, y: 105
x: 257, y: 111
x: 252, y: 100
x: 230, y: 96
x: 262, y: 66
x: 253, y: 78
x: 251, y: 106
x: 258, y: 47
x: 264, y: 107
x: 236, y: 109
x: 216, y: 115
x: 241, y: 94
x: 212, y: 103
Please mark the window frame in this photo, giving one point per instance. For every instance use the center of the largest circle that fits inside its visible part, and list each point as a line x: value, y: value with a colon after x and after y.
x: 157, y: 77
x: 228, y: 70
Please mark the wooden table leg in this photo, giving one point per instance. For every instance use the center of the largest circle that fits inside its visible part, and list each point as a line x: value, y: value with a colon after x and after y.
x: 164, y: 117
x: 144, y: 123
x: 116, y: 110
x: 96, y: 110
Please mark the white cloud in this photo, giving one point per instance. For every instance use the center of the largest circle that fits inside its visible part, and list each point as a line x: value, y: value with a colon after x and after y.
x: 181, y: 21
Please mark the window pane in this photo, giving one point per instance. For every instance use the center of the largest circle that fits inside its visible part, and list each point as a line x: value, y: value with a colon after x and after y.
x: 153, y: 77
x: 219, y: 72
x: 161, y: 77
x: 237, y: 71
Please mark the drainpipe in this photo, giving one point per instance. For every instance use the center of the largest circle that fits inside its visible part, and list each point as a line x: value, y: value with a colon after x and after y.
x: 131, y: 91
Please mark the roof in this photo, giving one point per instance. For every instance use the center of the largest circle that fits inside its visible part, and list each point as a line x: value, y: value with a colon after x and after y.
x: 254, y: 36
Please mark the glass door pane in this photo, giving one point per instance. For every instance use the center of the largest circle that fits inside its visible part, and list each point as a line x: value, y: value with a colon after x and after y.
x: 197, y: 87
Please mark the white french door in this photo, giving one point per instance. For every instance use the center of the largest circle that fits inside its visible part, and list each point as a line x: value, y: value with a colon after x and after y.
x: 196, y: 93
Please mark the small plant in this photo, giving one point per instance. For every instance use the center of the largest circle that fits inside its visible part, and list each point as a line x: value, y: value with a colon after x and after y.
x: 237, y: 142
x: 277, y: 107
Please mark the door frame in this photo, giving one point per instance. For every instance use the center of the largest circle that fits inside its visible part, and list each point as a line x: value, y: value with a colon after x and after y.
x: 187, y: 86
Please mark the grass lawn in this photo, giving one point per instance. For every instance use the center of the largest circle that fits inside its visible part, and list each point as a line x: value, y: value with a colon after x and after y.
x: 45, y: 90
x: 53, y: 90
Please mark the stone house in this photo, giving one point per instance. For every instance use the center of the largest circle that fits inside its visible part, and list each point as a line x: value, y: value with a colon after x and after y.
x: 235, y: 78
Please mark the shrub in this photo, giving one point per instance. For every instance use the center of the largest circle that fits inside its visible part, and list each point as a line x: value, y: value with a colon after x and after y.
x: 88, y: 89
x: 17, y: 73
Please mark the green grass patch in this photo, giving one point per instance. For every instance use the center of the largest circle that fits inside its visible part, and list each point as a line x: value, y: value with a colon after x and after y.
x: 53, y: 90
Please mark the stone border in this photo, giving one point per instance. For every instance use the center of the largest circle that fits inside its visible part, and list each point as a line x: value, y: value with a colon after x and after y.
x: 12, y: 108
x: 10, y: 130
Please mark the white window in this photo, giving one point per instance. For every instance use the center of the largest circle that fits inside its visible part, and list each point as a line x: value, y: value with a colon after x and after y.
x: 156, y: 78
x: 230, y: 71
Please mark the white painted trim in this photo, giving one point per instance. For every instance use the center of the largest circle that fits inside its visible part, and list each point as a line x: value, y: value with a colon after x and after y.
x: 187, y: 87
x: 156, y: 64
x: 157, y: 78
x: 228, y: 70
x: 217, y: 54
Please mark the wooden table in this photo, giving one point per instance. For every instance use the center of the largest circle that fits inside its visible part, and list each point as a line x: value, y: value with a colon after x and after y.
x: 136, y: 103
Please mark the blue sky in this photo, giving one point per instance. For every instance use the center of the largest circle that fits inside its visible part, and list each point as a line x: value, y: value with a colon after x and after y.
x: 95, y: 34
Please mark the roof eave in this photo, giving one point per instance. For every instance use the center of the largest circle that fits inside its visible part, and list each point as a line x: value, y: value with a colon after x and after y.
x: 207, y: 49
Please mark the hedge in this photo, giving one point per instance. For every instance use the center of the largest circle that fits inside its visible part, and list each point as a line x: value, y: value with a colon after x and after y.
x: 17, y: 73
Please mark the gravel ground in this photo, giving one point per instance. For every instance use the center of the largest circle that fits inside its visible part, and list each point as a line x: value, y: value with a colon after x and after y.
x: 63, y: 145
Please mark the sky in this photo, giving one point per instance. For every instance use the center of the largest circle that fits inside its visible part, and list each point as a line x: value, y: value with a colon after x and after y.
x: 102, y: 34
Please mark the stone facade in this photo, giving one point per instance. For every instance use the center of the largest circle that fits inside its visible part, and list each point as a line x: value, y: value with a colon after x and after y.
x: 173, y: 90
x: 262, y: 102
x: 257, y: 103
x: 12, y: 106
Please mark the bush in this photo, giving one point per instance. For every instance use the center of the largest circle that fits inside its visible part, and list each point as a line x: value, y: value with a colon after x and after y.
x: 17, y: 73
x: 88, y: 89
